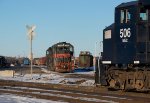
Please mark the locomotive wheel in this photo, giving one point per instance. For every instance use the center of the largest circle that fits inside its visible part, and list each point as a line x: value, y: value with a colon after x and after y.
x: 139, y: 84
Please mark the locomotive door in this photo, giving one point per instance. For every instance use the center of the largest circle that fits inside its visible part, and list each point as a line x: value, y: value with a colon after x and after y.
x: 143, y: 36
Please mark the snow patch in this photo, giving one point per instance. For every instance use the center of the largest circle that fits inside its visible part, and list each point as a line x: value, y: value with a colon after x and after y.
x: 88, y: 83
x: 45, y: 70
x: 52, y: 77
x: 6, y: 98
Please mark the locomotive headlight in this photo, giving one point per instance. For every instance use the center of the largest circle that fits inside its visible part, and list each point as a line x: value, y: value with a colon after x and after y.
x: 136, y: 62
x: 106, y: 62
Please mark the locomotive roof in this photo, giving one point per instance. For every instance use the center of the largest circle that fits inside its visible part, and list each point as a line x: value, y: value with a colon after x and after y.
x: 85, y: 53
x: 1, y: 56
x: 109, y: 27
x: 59, y: 44
x: 132, y: 3
x: 62, y: 43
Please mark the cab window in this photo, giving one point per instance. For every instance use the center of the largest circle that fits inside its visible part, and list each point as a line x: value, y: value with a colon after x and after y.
x: 125, y: 16
x: 128, y: 16
x: 143, y: 14
x: 47, y: 52
x: 122, y: 16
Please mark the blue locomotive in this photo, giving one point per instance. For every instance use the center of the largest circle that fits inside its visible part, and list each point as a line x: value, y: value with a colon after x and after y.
x: 125, y: 62
x: 26, y: 61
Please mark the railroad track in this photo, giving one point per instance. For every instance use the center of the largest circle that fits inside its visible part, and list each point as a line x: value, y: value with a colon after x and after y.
x: 74, y: 93
x: 70, y: 94
x: 64, y: 96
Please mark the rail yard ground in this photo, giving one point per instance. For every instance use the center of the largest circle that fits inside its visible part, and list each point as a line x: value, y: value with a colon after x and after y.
x: 52, y: 87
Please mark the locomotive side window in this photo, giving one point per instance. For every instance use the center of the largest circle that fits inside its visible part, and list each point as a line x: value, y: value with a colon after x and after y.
x: 47, y: 52
x: 71, y: 49
x: 122, y: 16
x: 128, y: 16
x: 125, y: 16
x: 143, y: 14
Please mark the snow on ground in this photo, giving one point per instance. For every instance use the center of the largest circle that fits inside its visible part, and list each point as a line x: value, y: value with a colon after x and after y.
x: 47, y: 77
x: 45, y: 70
x: 9, y: 98
x: 88, y: 83
x: 51, y: 77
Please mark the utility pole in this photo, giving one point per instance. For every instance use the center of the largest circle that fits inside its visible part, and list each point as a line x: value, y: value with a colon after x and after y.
x: 95, y: 57
x: 31, y: 33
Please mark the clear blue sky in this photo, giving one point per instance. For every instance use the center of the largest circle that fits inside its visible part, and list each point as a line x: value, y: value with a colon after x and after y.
x: 80, y: 22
